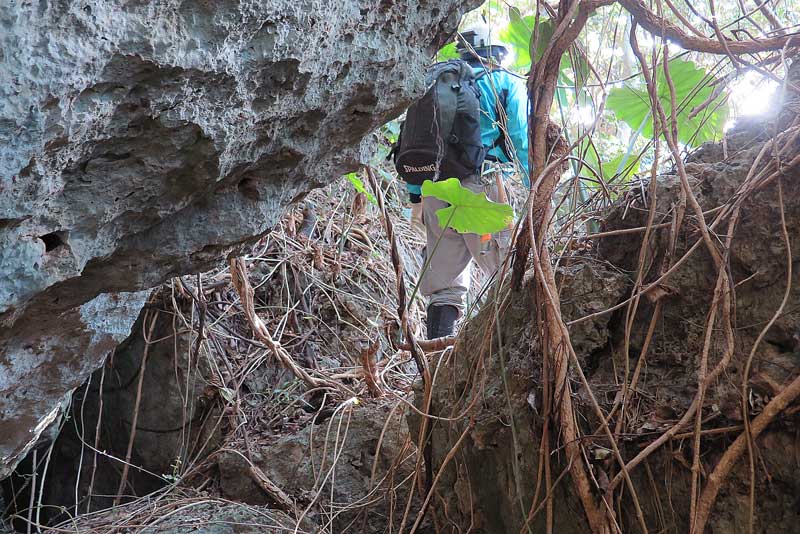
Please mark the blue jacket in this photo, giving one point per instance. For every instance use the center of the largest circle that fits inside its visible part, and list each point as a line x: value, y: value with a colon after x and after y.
x: 501, y: 82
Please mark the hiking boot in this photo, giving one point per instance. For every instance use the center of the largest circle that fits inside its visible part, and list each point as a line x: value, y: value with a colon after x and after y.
x: 441, y: 320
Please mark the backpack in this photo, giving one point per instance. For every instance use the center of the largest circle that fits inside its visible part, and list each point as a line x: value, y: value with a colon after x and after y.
x: 441, y: 136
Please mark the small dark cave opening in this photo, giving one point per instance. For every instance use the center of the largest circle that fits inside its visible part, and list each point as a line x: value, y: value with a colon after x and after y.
x: 54, y: 240
x: 80, y: 471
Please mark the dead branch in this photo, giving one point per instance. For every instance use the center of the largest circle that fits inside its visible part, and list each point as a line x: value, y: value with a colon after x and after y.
x: 732, y: 454
x: 369, y: 367
x: 273, y: 491
x: 416, y: 353
x: 556, y: 342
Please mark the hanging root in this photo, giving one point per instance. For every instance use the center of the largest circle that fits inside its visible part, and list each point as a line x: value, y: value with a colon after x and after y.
x: 774, y: 408
x: 419, y: 357
x: 245, y: 290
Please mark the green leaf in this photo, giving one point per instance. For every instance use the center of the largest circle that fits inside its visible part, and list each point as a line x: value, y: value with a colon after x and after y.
x: 586, y: 151
x: 391, y: 130
x: 518, y: 35
x: 580, y: 70
x: 609, y: 168
x: 380, y: 155
x: 359, y: 186
x: 693, y: 86
x: 468, y: 212
x: 227, y: 394
x: 448, y: 51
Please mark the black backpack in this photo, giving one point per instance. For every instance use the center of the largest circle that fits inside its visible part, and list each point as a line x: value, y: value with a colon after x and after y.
x: 441, y: 136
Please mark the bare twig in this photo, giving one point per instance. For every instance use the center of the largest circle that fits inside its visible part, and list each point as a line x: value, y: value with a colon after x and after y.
x: 777, y: 405
x: 148, y: 336
x: 270, y: 488
x: 659, y: 26
x: 245, y: 291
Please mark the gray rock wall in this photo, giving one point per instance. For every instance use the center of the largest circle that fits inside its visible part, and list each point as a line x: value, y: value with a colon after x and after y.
x: 144, y: 139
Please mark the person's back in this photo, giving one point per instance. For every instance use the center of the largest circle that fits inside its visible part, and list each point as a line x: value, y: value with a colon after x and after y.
x: 504, y: 135
x: 504, y: 109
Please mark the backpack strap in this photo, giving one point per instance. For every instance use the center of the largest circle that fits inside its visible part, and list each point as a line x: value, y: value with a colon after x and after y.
x: 500, y: 106
x: 447, y: 99
x: 447, y: 105
x: 392, y: 155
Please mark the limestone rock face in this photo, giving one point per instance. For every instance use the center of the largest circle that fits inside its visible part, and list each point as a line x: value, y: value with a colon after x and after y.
x: 144, y: 139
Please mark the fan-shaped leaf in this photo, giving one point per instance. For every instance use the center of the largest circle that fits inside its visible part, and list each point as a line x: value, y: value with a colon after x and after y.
x: 468, y: 212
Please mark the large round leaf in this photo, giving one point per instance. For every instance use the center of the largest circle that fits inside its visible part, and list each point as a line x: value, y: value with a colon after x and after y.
x: 518, y: 35
x: 448, y: 51
x: 693, y: 87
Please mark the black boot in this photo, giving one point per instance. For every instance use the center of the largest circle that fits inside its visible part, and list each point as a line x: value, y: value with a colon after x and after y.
x: 441, y: 320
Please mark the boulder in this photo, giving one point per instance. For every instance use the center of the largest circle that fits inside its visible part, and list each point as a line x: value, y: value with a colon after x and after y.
x: 140, y: 140
x: 350, y: 472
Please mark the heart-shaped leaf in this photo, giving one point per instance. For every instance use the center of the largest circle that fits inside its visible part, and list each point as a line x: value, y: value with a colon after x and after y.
x: 518, y: 35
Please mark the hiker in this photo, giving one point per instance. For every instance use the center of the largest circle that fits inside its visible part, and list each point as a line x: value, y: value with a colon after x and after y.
x: 503, y: 142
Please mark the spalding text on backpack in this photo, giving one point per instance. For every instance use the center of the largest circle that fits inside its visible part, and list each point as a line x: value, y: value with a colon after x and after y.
x: 441, y: 136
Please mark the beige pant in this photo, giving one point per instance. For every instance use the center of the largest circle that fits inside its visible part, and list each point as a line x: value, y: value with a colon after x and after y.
x: 447, y: 279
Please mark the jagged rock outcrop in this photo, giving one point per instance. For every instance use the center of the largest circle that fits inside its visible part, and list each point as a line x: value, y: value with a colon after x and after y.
x: 144, y: 140
x: 493, y: 398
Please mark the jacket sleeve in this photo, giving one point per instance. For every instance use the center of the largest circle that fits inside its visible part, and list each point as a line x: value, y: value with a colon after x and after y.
x: 517, y: 113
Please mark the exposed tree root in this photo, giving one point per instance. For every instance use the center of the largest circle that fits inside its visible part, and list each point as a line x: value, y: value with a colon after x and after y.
x: 732, y: 454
